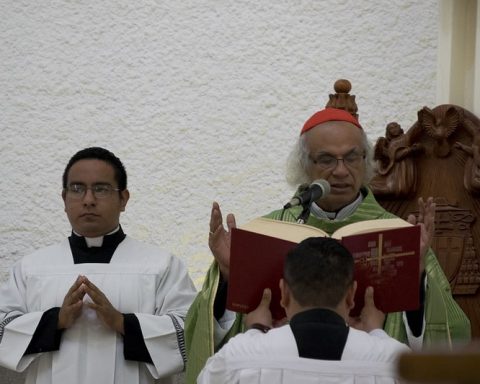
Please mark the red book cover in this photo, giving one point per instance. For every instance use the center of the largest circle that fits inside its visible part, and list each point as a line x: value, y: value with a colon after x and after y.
x: 388, y: 260
x: 256, y: 263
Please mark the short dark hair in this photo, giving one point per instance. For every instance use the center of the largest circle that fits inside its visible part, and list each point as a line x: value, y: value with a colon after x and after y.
x: 319, y: 271
x: 98, y: 153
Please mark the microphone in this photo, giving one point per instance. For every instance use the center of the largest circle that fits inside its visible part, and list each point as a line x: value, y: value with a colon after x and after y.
x: 319, y: 188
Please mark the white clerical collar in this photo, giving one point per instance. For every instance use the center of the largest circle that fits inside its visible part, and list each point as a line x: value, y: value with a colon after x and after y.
x: 343, y: 213
x: 96, y: 241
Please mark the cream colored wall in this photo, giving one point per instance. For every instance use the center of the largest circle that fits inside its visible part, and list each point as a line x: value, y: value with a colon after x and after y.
x: 458, y: 78
x: 201, y: 100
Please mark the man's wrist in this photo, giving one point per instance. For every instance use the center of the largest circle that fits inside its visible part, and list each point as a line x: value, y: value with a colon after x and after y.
x: 120, y: 323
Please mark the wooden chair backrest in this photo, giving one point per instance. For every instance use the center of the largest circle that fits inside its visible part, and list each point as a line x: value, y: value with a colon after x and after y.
x: 438, y: 156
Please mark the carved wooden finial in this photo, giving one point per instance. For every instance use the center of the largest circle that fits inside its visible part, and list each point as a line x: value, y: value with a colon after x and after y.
x: 342, y: 98
x: 342, y: 86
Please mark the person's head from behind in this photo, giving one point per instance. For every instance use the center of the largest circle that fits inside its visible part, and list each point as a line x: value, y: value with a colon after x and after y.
x: 332, y: 146
x: 318, y: 273
x: 94, y: 191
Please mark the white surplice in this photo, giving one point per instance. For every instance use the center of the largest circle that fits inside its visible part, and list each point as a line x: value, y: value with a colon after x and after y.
x: 140, y: 279
x: 255, y: 357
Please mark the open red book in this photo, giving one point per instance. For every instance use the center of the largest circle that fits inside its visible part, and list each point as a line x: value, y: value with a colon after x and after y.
x: 386, y: 254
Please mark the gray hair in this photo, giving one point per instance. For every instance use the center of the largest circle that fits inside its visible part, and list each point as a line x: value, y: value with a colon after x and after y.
x: 298, y: 162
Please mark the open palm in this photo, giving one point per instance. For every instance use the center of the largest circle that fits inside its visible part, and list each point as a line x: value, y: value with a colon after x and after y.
x: 219, y: 239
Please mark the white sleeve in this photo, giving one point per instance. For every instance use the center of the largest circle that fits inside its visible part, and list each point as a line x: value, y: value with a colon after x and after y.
x: 222, y: 326
x: 415, y: 343
x: 16, y: 325
x: 217, y: 369
x: 210, y: 374
x: 380, y: 333
x: 163, y: 331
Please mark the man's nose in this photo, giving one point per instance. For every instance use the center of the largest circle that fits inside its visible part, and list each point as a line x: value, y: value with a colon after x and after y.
x: 340, y: 167
x: 89, y: 197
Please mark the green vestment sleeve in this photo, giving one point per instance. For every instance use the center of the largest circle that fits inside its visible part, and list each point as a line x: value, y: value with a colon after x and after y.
x: 198, y: 329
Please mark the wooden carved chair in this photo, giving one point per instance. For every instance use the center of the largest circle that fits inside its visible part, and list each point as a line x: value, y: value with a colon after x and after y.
x: 439, y: 156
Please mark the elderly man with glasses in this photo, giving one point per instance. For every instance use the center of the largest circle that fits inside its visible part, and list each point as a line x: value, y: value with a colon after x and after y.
x: 332, y: 146
x: 100, y: 307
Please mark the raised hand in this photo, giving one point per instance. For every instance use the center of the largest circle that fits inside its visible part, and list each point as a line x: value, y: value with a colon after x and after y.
x: 426, y: 220
x: 370, y: 317
x: 72, y: 304
x: 219, y: 239
x: 112, y: 318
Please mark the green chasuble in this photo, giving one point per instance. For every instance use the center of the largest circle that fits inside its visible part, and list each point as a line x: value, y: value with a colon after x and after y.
x: 445, y: 321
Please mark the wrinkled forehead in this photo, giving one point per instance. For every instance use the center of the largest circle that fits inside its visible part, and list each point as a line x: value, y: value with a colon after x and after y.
x: 336, y: 137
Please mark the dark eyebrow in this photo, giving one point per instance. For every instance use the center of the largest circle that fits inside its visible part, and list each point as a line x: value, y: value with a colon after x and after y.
x: 81, y: 183
x: 321, y: 153
x: 103, y: 183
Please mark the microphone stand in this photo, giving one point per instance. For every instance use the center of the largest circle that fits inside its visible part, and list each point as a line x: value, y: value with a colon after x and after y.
x: 305, y: 213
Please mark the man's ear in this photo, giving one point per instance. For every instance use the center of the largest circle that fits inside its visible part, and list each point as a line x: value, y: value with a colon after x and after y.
x: 284, y: 294
x: 64, y: 196
x: 350, y: 296
x: 124, y: 196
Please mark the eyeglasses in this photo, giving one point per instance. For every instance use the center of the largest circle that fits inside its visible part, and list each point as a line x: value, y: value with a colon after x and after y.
x: 327, y: 161
x: 99, y: 191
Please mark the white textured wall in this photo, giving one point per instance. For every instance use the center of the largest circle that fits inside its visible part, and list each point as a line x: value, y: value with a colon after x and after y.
x: 201, y: 101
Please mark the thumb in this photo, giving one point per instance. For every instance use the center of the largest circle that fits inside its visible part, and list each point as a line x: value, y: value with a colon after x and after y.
x: 266, y: 298
x: 412, y: 219
x: 231, y: 223
x: 369, y: 297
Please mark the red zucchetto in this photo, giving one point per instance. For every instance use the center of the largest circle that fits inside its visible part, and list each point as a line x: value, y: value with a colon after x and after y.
x: 329, y: 114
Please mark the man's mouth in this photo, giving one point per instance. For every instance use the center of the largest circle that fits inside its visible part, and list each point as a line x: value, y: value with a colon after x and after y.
x: 339, y: 186
x: 88, y: 214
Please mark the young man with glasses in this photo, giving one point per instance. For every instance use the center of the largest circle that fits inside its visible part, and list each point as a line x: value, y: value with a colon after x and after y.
x: 100, y: 307
x: 332, y: 146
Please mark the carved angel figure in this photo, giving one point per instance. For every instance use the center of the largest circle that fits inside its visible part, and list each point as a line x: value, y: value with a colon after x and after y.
x: 395, y: 171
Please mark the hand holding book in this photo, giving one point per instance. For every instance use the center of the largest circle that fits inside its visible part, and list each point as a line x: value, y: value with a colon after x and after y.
x: 426, y: 220
x: 370, y: 317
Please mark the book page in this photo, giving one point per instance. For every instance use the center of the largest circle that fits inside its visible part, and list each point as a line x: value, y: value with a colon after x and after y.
x: 369, y: 226
x: 283, y: 229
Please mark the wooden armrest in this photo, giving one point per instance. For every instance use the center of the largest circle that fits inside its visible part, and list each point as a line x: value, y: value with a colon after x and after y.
x: 449, y: 367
